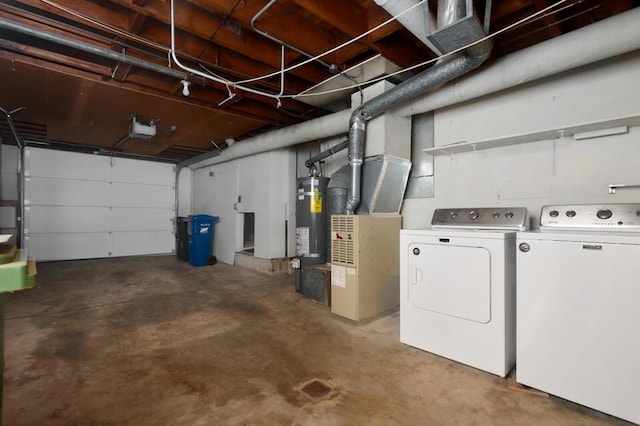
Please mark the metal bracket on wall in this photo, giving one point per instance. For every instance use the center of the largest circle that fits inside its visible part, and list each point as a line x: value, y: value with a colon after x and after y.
x: 20, y: 207
x: 615, y: 186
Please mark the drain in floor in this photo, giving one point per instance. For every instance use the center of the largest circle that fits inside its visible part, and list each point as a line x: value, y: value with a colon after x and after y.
x: 317, y: 389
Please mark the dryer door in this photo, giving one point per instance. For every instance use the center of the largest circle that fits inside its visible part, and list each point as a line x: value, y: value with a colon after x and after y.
x: 451, y: 280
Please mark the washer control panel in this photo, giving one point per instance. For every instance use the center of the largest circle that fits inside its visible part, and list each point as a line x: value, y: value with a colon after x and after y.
x: 591, y: 217
x: 499, y: 218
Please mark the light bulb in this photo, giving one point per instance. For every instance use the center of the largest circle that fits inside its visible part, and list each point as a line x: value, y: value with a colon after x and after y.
x: 185, y: 87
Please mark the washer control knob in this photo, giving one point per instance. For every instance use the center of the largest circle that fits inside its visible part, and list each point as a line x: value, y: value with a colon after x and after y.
x: 524, y: 247
x: 554, y: 213
x: 604, y: 214
x: 637, y: 212
x: 495, y: 215
x: 509, y: 215
x: 473, y: 215
x: 453, y: 215
x: 571, y: 213
x: 416, y: 251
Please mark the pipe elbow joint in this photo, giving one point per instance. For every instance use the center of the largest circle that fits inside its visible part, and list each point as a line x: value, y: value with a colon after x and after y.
x: 476, y: 55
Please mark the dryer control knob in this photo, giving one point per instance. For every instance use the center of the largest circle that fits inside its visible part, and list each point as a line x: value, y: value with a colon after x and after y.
x: 473, y: 215
x: 524, y: 247
x: 554, y: 213
x: 604, y: 214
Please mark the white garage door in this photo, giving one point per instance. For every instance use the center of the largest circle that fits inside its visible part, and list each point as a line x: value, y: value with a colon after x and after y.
x: 81, y: 206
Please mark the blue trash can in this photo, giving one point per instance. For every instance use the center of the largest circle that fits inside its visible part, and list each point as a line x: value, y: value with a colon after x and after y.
x: 200, y: 239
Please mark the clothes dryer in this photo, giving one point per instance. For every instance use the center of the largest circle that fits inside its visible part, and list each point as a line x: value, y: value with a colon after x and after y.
x: 457, y: 286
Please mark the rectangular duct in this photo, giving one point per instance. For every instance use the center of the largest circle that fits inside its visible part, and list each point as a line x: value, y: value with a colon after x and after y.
x: 458, y: 25
x: 420, y: 183
x: 369, y: 69
x: 384, y: 180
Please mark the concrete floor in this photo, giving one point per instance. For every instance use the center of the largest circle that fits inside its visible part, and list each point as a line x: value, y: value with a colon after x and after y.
x: 152, y: 341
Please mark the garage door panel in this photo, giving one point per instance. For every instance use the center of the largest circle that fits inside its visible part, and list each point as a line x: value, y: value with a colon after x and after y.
x: 145, y: 172
x: 137, y: 243
x: 136, y: 219
x: 66, y: 192
x: 142, y: 195
x: 68, y: 246
x: 54, y: 219
x: 7, y: 217
x: 69, y: 165
x: 9, y: 160
x: 9, y: 187
x: 114, y: 206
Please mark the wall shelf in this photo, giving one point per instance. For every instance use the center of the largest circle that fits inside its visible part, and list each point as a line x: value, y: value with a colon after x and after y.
x: 567, y: 131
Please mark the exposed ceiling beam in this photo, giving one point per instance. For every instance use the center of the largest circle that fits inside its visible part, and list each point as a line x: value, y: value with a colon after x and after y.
x: 194, y: 20
x: 91, y: 9
x: 551, y: 20
x: 234, y: 65
x: 121, y: 70
x: 47, y: 55
x: 189, y: 19
x: 277, y: 22
x: 271, y: 116
x: 352, y: 19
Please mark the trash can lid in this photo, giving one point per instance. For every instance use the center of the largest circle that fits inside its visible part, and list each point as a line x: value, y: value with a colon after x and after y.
x: 203, y: 217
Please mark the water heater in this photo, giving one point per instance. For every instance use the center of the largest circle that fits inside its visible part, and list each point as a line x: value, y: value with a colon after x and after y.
x: 311, y: 223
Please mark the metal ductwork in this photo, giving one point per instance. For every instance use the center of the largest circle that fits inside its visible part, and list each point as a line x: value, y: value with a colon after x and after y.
x: 613, y: 37
x: 327, y: 153
x: 417, y: 21
x: 90, y: 48
x: 441, y: 73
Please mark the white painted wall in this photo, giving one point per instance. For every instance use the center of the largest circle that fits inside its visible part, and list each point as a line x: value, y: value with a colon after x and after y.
x: 214, y: 193
x: 9, y: 182
x: 265, y: 184
x: 185, y: 190
x: 542, y: 172
x: 529, y: 175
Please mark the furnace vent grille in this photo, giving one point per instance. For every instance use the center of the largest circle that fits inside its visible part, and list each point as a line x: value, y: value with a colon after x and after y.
x: 343, y: 223
x: 343, y: 239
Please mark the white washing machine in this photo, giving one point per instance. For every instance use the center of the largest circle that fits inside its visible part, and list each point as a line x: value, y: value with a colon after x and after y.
x: 578, y: 306
x: 457, y: 286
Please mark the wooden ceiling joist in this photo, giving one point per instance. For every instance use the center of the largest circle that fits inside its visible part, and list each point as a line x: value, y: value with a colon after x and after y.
x: 216, y: 35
